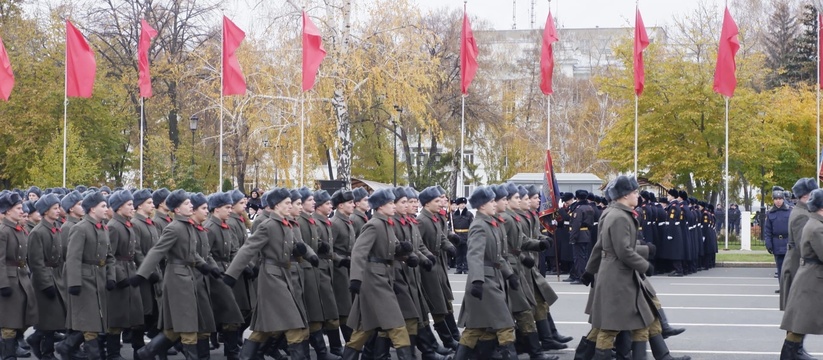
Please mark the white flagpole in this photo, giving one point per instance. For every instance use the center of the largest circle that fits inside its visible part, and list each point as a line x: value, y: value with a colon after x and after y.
x: 726, y: 175
x: 302, y: 138
x: 636, y: 101
x: 462, y: 144
x: 220, y: 158
x: 65, y: 108
x: 141, y: 142
x: 548, y: 122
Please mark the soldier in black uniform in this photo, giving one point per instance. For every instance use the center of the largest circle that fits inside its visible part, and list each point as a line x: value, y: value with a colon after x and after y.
x: 581, y: 235
x: 671, y: 247
x: 563, y: 220
x: 461, y: 220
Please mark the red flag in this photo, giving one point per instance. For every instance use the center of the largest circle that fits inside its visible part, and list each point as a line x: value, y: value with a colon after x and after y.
x: 313, y: 52
x: 547, y: 55
x: 80, y: 65
x: 724, y: 77
x: 641, y: 42
x: 550, y: 197
x: 144, y: 78
x: 468, y: 55
x: 6, y: 74
x: 233, y: 81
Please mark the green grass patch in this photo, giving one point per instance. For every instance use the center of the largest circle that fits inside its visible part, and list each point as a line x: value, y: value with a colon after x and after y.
x: 744, y: 257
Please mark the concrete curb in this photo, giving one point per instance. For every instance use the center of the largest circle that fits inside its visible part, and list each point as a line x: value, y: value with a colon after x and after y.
x: 743, y: 264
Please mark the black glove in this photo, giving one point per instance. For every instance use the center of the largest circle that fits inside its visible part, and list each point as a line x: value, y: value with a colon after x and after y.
x: 650, y: 270
x: 50, y: 292
x: 426, y: 264
x: 123, y: 283
x: 432, y: 258
x: 300, y: 249
x: 453, y: 238
x: 5, y: 292
x: 544, y: 244
x: 248, y: 272
x: 402, y: 248
x: 154, y: 278
x: 354, y: 286
x: 477, y: 289
x: 313, y: 260
x: 228, y: 280
x: 323, y: 247
x: 136, y: 280
x: 346, y: 263
x: 587, y: 278
x: 527, y: 261
x: 110, y: 285
x: 514, y: 282
x: 75, y: 290
x: 412, y: 261
x: 451, y: 250
x: 215, y: 272
x: 204, y: 268
x: 770, y: 251
x: 396, y: 287
x: 256, y: 270
x: 652, y: 250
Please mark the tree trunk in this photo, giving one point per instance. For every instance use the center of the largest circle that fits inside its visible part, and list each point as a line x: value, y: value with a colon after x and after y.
x: 341, y: 112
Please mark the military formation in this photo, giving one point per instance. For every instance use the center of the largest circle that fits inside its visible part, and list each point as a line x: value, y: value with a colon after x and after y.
x: 681, y: 228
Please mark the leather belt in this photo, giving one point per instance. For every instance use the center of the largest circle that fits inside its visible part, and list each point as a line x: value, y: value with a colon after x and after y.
x: 373, y: 259
x: 810, y: 261
x: 16, y: 263
x: 99, y: 263
x: 182, y: 262
x: 124, y: 258
x: 281, y: 264
x: 461, y: 230
x: 493, y: 264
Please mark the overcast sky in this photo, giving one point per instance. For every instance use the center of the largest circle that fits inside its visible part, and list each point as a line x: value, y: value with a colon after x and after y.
x: 573, y: 13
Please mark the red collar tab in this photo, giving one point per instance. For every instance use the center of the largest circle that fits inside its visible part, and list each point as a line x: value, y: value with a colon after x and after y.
x: 442, y: 212
x: 224, y: 225
x: 168, y: 218
x: 434, y: 218
x: 128, y: 224
x: 517, y: 218
x: 148, y: 221
x: 390, y: 222
x: 494, y: 223
x: 286, y: 222
x: 242, y: 219
x: 311, y: 221
x: 328, y: 222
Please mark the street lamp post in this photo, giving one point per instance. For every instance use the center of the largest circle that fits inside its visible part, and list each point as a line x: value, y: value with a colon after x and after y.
x: 193, y: 127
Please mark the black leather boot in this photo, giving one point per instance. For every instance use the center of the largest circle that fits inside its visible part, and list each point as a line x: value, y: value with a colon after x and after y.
x: 34, y: 340
x: 547, y: 341
x: 158, y: 346
x: 426, y: 346
x: 667, y: 329
x: 299, y: 351
x: 9, y: 349
x: 462, y: 353
x: 404, y: 353
x: 93, y: 349
x: 335, y: 344
x: 600, y: 354
x: 582, y: 349
x: 509, y: 353
x: 113, y: 347
x: 137, y: 341
x: 382, y: 348
x: 350, y: 354
x: 346, y: 332
x: 47, y: 346
x: 249, y: 350
x: 660, y: 351
x: 69, y: 345
x: 319, y: 344
x: 623, y: 346
x: 368, y: 349
x: 21, y: 342
x: 638, y: 350
x: 190, y: 351
x: 203, y: 349
x: 425, y: 334
x: 452, y: 324
x: 445, y: 335
x: 560, y: 338
x: 231, y: 348
x: 483, y: 349
x: 535, y: 350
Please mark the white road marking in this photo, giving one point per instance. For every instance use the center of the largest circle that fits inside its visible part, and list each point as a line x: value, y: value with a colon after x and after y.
x: 693, y: 295
x: 694, y: 284
x: 688, y: 324
x: 718, y: 308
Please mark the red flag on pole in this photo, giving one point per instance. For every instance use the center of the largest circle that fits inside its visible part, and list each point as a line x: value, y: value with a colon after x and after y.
x: 641, y: 42
x: 468, y: 55
x: 724, y: 78
x: 233, y: 81
x: 547, y: 55
x: 80, y: 65
x: 313, y: 52
x: 144, y: 78
x: 6, y: 74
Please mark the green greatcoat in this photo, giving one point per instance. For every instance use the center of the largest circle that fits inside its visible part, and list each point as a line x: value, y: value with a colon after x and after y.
x: 797, y: 221
x: 45, y: 256
x: 18, y: 311
x: 343, y: 233
x: 89, y: 264
x: 125, y: 302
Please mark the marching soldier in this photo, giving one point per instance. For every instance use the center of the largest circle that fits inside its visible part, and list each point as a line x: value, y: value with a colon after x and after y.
x: 183, y: 313
x: 162, y: 215
x: 375, y: 304
x: 343, y: 235
x: 278, y: 313
x: 18, y: 306
x: 90, y: 274
x: 361, y: 207
x: 45, y: 259
x: 146, y: 233
x: 776, y: 229
x: 32, y: 217
x: 263, y: 214
x: 245, y: 291
x: 124, y: 302
x: 484, y: 313
x: 435, y: 283
x: 223, y: 246
x: 207, y: 325
x: 461, y: 220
